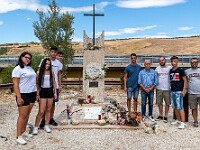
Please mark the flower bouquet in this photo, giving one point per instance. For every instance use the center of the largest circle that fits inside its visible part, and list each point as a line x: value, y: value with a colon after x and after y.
x: 135, y: 118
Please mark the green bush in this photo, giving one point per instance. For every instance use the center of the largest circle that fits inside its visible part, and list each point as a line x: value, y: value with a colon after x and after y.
x: 3, y: 50
x: 6, y: 74
x: 36, y: 61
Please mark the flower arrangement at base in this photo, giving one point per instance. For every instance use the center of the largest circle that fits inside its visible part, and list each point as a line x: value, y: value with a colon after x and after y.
x: 114, y: 113
x: 135, y: 118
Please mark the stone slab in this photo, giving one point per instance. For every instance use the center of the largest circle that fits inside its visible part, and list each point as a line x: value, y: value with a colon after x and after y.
x: 95, y: 126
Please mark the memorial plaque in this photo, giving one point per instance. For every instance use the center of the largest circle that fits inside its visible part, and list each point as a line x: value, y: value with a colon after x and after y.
x: 92, y: 112
x: 93, y: 84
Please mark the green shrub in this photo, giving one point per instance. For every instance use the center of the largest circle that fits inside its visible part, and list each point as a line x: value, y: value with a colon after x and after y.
x: 6, y: 74
x: 36, y: 61
x: 3, y: 50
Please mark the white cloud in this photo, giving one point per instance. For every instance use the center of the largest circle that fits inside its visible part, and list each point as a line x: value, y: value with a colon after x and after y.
x: 98, y: 7
x: 102, y: 5
x: 111, y: 33
x: 76, y: 39
x: 127, y: 30
x: 33, y: 5
x: 11, y: 5
x: 1, y: 23
x: 157, y: 36
x: 147, y: 3
x: 185, y: 28
x: 78, y: 9
x: 28, y: 18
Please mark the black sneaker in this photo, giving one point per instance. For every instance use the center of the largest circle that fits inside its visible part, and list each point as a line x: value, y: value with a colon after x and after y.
x: 165, y: 119
x: 159, y: 118
x: 42, y: 123
x: 52, y: 122
x: 196, y: 124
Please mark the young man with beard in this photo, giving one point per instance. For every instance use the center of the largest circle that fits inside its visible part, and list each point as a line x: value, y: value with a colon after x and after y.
x: 163, y: 89
x: 178, y: 83
x: 193, y: 76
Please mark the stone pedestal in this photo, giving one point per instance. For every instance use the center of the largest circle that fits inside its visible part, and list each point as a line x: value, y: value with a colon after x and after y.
x: 93, y: 73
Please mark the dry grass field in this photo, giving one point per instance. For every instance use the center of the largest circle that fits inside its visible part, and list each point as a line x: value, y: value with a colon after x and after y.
x: 187, y: 45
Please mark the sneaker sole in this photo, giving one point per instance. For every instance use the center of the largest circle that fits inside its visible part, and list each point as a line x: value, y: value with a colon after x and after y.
x: 35, y: 133
x: 21, y: 143
x: 182, y: 128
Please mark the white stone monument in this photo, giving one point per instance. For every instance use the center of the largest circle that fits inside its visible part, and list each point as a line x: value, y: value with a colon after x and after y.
x: 93, y: 68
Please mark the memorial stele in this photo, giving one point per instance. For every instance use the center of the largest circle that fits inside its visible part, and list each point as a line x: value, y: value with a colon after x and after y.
x: 93, y: 68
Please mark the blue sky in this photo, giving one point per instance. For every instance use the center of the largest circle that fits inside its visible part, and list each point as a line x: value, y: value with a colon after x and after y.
x: 123, y: 18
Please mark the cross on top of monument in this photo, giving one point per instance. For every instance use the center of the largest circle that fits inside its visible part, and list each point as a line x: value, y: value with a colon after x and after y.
x: 93, y: 15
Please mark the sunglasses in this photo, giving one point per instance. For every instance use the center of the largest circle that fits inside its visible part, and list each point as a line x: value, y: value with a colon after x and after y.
x: 194, y: 62
x: 27, y: 57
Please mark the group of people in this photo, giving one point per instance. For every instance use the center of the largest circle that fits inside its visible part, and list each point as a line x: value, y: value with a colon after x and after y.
x: 43, y: 86
x: 171, y: 84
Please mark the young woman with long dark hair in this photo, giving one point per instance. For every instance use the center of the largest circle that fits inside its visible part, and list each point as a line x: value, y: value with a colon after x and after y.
x: 46, y: 93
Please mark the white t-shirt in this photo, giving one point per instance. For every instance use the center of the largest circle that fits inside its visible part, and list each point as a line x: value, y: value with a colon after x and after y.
x: 27, y: 79
x: 193, y: 76
x: 163, y: 78
x: 56, y: 67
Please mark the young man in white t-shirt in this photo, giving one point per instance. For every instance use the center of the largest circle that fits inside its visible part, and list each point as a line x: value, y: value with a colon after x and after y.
x: 57, y: 70
x: 163, y: 88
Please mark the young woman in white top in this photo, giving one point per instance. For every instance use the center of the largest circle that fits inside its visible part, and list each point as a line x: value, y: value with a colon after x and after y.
x: 24, y: 82
x: 46, y: 86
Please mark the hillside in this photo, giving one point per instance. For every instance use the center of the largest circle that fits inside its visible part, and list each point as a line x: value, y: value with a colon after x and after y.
x: 189, y: 45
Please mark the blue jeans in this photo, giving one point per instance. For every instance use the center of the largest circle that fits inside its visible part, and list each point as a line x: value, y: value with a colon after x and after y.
x: 144, y: 96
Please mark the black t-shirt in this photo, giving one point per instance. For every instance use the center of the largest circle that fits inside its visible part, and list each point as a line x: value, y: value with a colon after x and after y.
x: 176, y: 79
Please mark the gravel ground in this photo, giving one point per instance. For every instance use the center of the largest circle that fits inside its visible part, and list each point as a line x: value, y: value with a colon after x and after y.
x: 95, y: 139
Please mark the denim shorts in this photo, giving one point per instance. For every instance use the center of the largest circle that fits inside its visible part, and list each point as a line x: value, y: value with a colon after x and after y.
x: 132, y: 93
x: 177, y: 100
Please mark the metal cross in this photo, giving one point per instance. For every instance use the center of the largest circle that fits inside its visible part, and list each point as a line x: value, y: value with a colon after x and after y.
x: 93, y: 15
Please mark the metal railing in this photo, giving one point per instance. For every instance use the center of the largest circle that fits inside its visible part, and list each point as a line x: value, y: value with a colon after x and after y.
x: 111, y: 59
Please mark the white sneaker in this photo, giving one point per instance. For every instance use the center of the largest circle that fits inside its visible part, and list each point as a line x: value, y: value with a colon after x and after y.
x: 143, y: 118
x: 151, y: 118
x: 27, y: 135
x: 20, y: 140
x: 35, y: 131
x: 182, y: 125
x: 175, y: 122
x: 47, y: 129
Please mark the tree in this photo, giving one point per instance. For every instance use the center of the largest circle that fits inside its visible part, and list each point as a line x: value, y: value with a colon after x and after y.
x: 54, y: 28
